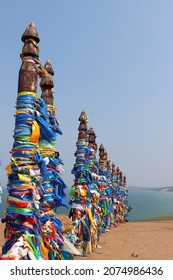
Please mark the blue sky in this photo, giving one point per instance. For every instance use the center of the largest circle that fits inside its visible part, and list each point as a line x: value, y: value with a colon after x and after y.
x: 113, y: 59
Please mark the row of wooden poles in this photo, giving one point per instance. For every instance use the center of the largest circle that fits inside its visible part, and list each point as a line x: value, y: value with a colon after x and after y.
x: 35, y: 187
x: 99, y: 194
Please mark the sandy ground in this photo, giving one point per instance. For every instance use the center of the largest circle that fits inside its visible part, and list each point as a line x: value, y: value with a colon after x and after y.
x: 137, y: 241
x: 133, y: 241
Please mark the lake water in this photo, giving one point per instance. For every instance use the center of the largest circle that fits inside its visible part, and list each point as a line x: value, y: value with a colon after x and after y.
x: 145, y: 204
x: 148, y: 204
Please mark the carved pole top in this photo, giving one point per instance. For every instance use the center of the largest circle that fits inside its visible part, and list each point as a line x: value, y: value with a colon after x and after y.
x: 30, y: 33
x: 49, y: 68
x: 101, y: 148
x: 83, y: 117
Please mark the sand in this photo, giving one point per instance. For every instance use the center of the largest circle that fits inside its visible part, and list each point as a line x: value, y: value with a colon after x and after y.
x: 132, y: 241
x: 137, y: 241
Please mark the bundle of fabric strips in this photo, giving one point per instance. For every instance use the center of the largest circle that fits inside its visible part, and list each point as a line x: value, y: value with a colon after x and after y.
x: 99, y: 194
x: 35, y: 188
x: 81, y: 202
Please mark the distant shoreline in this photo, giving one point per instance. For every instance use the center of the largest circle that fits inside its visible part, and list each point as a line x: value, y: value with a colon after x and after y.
x: 156, y: 219
x: 160, y: 189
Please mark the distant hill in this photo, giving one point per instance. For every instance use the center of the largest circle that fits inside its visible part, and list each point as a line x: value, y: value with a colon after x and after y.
x: 159, y: 189
x: 164, y: 189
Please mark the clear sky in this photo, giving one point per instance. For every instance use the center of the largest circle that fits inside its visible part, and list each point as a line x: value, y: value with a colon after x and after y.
x: 113, y: 59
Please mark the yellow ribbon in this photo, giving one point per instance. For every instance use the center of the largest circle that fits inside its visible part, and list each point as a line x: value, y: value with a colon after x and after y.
x: 24, y: 178
x: 8, y: 168
x: 22, y: 93
x: 35, y: 132
x: 90, y: 216
x: 44, y: 250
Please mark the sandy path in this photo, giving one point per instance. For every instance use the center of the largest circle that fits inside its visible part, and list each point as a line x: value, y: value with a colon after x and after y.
x: 148, y: 240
